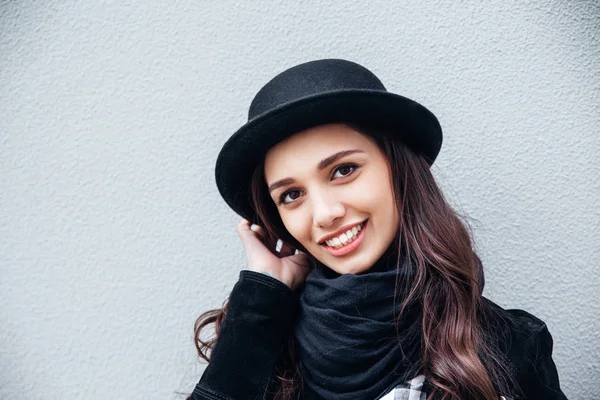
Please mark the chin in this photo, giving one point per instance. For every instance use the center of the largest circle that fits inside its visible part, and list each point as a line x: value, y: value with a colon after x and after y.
x: 351, y: 267
x: 355, y: 271
x: 353, y: 263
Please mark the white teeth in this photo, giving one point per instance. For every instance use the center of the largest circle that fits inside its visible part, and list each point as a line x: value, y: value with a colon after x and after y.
x: 345, y: 237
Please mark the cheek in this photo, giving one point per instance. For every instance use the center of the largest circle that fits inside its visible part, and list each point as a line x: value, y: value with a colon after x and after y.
x: 373, y: 194
x: 297, y: 226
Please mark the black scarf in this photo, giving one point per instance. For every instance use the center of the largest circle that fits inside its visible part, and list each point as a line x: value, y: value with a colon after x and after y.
x: 345, y: 334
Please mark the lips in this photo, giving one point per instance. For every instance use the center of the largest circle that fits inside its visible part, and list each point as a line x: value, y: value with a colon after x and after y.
x: 340, y: 232
x: 347, y: 237
x: 348, y: 247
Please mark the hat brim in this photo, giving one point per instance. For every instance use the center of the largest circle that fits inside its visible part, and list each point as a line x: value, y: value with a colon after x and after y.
x: 414, y: 124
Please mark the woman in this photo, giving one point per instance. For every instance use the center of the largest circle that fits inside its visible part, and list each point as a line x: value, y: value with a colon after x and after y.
x: 375, y: 292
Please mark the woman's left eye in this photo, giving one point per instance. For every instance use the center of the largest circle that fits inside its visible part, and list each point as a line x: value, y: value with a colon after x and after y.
x: 346, y: 167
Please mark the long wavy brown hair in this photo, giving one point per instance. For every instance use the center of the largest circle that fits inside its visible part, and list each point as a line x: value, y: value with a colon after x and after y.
x: 460, y: 357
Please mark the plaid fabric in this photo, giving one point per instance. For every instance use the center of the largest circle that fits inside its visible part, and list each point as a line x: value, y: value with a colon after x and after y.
x: 411, y: 390
x: 414, y: 390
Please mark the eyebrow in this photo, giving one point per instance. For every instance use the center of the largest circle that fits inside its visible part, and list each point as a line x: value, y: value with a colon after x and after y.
x: 324, y: 163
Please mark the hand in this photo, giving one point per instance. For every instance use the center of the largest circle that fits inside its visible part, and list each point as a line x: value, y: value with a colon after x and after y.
x: 287, y: 267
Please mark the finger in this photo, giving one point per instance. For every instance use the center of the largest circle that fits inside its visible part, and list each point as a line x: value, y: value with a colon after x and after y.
x: 261, y: 232
x: 286, y: 249
x: 244, y: 223
x: 254, y: 236
x: 258, y: 229
x: 248, y: 236
x: 245, y: 226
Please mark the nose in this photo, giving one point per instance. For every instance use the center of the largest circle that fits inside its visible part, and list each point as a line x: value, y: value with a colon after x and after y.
x: 326, y: 209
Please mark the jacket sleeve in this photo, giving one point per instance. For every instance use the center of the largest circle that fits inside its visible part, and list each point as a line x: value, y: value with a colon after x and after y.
x: 242, y: 363
x: 543, y: 382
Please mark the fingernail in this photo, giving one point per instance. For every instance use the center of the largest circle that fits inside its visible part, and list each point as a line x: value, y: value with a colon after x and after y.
x: 254, y: 227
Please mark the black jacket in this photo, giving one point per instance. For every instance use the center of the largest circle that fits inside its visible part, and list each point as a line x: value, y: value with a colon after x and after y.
x: 259, y: 320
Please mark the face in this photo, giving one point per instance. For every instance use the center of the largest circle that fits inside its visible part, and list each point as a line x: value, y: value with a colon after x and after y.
x: 332, y: 179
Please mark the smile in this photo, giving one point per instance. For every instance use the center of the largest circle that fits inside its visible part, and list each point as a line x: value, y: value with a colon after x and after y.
x: 347, y: 241
x: 346, y: 237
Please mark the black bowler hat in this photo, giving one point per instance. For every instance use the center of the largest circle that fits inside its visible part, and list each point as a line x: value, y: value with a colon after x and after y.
x: 310, y: 94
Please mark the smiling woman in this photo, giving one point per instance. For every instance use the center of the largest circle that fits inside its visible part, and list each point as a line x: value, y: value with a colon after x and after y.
x: 376, y: 291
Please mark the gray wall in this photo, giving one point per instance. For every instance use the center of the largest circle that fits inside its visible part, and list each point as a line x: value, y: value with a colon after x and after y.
x: 113, y: 237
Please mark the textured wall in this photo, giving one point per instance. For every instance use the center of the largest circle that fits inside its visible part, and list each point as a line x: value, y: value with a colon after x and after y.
x: 113, y: 237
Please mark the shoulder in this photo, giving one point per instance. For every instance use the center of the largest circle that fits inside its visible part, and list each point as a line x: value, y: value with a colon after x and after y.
x: 526, y: 343
x: 520, y: 333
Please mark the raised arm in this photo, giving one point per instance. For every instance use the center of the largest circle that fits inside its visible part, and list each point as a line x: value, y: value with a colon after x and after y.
x: 242, y: 366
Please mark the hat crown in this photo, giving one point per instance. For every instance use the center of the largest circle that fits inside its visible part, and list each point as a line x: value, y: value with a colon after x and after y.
x: 310, y: 79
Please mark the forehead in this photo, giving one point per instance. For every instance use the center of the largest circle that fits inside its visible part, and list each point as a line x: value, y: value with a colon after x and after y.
x: 306, y: 148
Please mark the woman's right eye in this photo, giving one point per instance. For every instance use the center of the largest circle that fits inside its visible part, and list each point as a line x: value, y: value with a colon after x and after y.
x: 284, y: 195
